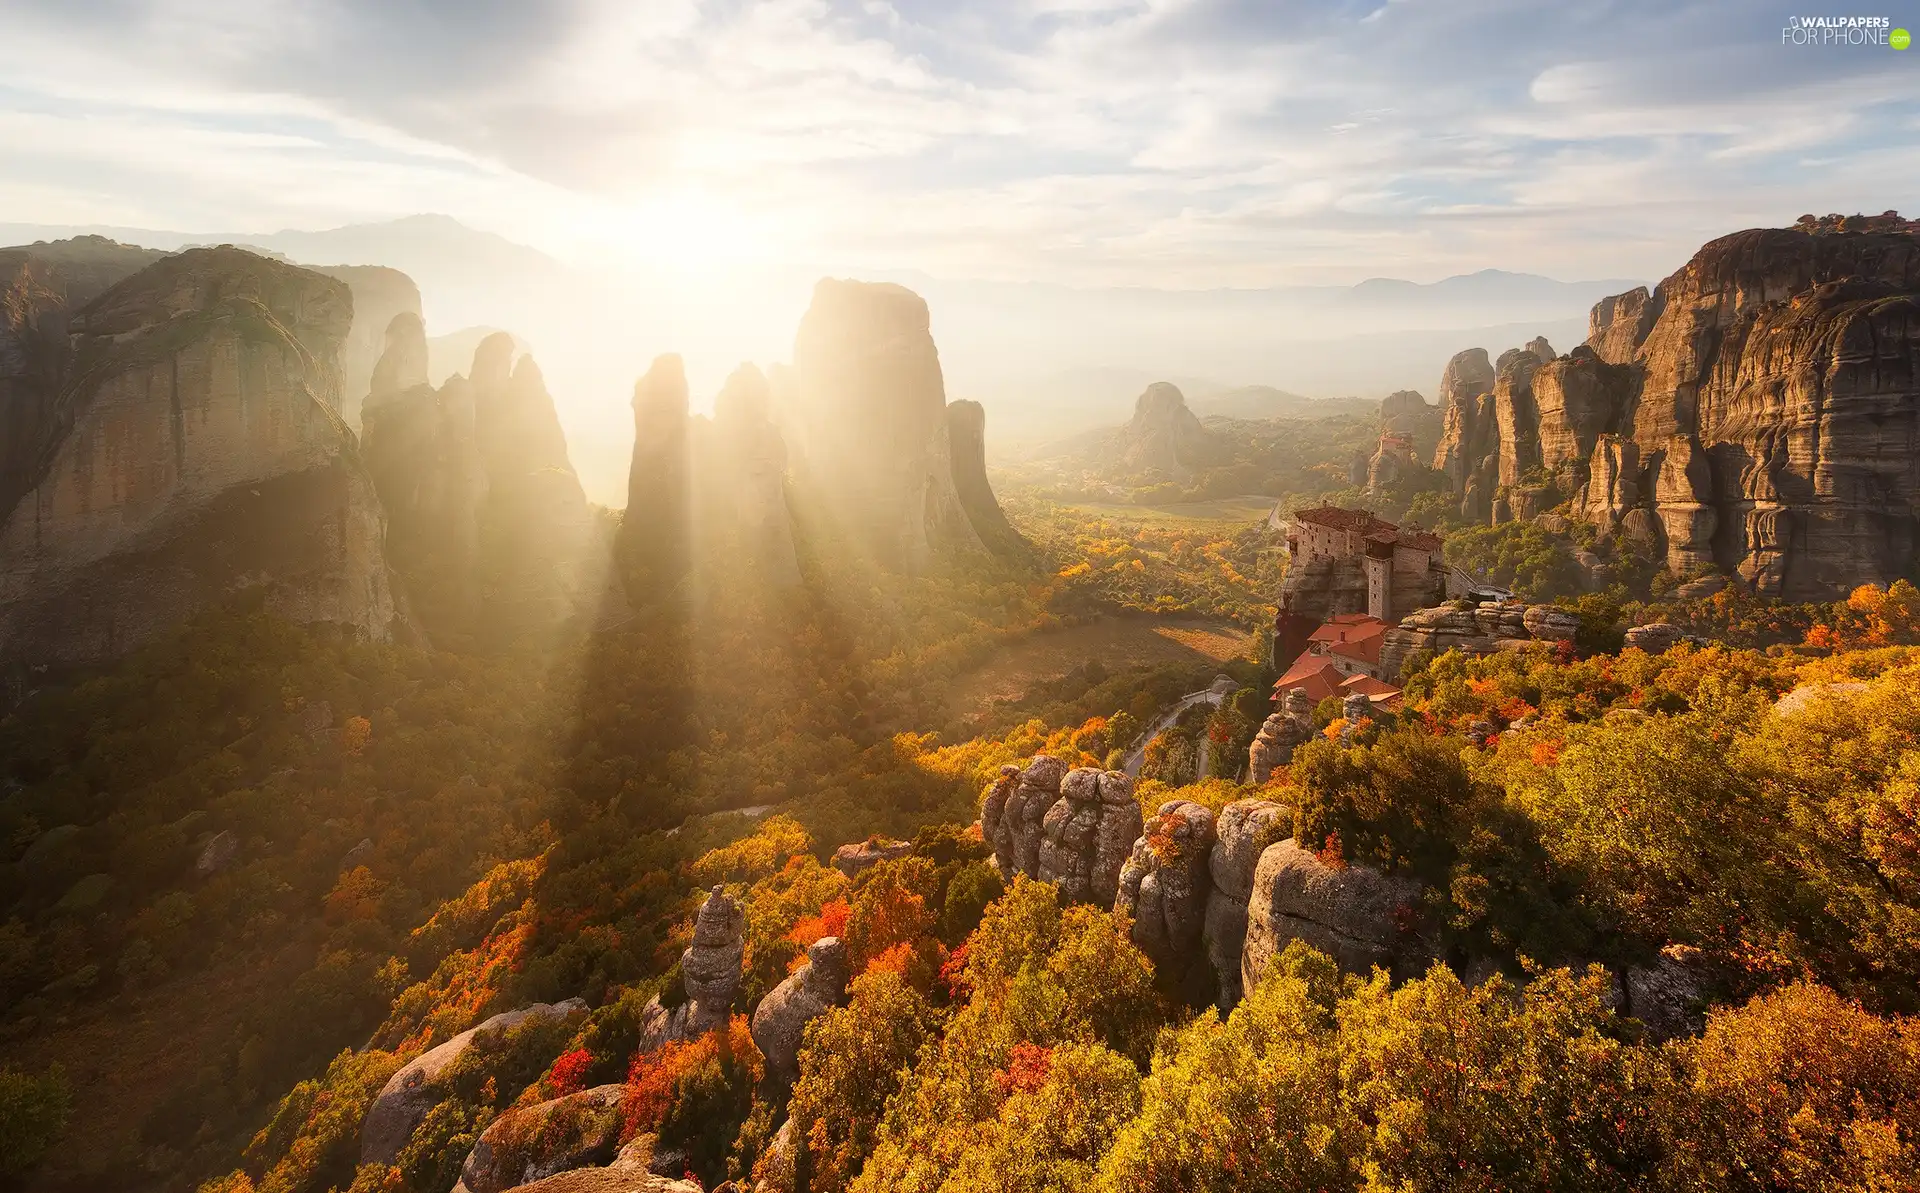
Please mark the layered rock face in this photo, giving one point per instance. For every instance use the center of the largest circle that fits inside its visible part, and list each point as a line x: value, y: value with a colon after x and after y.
x: 1245, y: 829
x: 1165, y: 436
x: 1280, y: 735
x: 380, y: 295
x: 1478, y: 630
x: 1755, y: 413
x: 41, y: 287
x: 189, y: 448
x: 488, y: 525
x: 1359, y: 917
x: 872, y: 404
x: 967, y: 436
x: 1166, y: 883
x: 1072, y: 827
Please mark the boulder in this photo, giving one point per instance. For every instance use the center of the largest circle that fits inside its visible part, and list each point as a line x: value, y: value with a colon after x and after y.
x: 864, y: 855
x: 530, y: 1143
x: 1163, y: 886
x: 1358, y: 916
x: 1244, y: 830
x: 1808, y: 694
x: 410, y: 1093
x: 1550, y: 624
x: 1280, y: 735
x: 782, y: 1016
x: 1668, y: 996
x: 1087, y: 834
x: 1655, y: 637
x: 217, y: 854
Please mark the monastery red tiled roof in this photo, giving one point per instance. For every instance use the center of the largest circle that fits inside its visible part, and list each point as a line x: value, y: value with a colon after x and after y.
x: 1369, y: 527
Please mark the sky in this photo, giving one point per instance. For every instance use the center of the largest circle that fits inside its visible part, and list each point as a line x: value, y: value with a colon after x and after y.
x: 1164, y: 143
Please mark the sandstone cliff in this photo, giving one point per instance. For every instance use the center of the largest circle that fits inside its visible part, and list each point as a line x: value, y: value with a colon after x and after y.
x: 967, y: 435
x: 872, y: 408
x: 1757, y: 413
x: 379, y: 296
x: 41, y: 286
x: 187, y: 447
x: 656, y: 534
x: 1164, y: 435
x: 488, y: 525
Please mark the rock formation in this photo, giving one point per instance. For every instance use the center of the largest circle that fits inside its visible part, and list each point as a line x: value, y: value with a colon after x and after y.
x: 861, y: 856
x: 1656, y: 637
x: 656, y: 534
x: 1245, y: 829
x: 1754, y: 414
x: 1165, y: 436
x: 1407, y: 413
x: 41, y: 287
x: 1359, y: 917
x: 538, y: 565
x: 783, y: 1015
x: 184, y: 446
x: 380, y: 295
x: 872, y: 404
x: 1072, y: 827
x: 1165, y: 884
x: 1280, y: 734
x: 710, y: 972
x: 1087, y: 835
x: 1475, y: 630
x: 744, y: 474
x: 967, y: 438
x: 531, y: 1143
x: 410, y: 1093
x: 487, y: 523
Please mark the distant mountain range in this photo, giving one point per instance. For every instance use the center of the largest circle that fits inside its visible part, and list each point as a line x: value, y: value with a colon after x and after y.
x: 1045, y: 360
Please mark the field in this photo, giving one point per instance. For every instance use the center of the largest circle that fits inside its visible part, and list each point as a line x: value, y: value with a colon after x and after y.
x: 1229, y: 512
x: 1117, y: 642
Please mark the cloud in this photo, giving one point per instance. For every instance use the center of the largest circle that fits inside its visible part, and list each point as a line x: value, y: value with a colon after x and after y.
x: 1165, y: 142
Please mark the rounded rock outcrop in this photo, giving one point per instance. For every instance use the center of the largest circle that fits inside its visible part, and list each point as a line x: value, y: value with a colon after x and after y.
x: 1358, y: 916
x: 410, y: 1093
x: 1165, y: 883
x: 781, y: 1019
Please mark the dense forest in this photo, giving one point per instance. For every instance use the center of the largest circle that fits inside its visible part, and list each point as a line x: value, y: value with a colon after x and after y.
x: 256, y: 868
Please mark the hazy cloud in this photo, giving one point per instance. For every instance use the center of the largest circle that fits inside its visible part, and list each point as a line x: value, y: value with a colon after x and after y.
x: 1168, y: 142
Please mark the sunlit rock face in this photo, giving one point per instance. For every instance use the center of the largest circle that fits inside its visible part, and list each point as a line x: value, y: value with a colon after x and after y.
x: 188, y: 448
x: 489, y: 527
x: 419, y: 445
x: 967, y: 436
x: 744, y: 475
x: 41, y: 287
x: 1164, y: 435
x: 380, y: 295
x: 656, y: 531
x: 871, y: 403
x: 1757, y: 413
